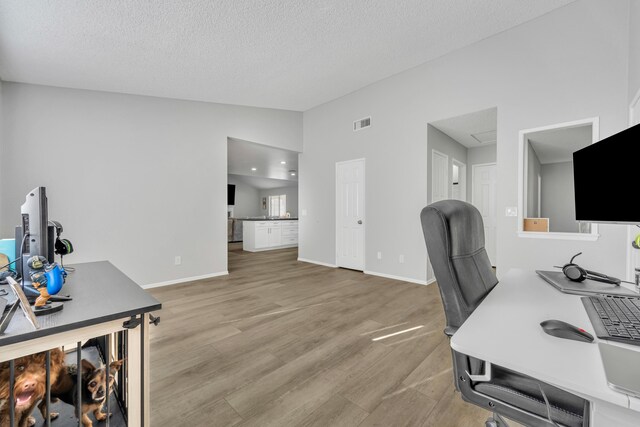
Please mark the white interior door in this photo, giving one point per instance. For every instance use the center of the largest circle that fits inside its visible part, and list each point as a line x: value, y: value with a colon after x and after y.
x: 439, y: 176
x: 484, y: 198
x: 350, y: 217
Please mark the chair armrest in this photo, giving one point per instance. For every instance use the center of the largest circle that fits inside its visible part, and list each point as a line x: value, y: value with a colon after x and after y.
x: 486, y: 377
x: 450, y: 330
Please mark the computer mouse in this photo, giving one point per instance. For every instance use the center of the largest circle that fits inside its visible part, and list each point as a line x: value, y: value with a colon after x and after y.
x: 560, y: 329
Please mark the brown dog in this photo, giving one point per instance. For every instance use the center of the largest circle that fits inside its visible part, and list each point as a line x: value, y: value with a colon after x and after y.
x: 29, y: 386
x: 96, y: 383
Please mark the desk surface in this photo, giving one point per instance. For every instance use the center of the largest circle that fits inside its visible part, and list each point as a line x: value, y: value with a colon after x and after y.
x: 505, y: 330
x: 100, y: 293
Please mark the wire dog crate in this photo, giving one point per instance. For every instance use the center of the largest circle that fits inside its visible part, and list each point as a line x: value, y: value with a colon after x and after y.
x: 84, y: 362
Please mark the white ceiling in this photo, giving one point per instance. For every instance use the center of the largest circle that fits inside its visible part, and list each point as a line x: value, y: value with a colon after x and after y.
x: 280, y: 54
x: 558, y: 145
x: 242, y: 156
x: 483, y: 124
x: 263, y: 183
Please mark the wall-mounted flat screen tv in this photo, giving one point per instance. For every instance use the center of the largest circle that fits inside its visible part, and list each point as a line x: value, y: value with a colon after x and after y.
x: 231, y: 194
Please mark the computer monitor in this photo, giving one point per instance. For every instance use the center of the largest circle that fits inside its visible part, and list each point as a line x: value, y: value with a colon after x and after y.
x: 35, y: 222
x: 605, y: 175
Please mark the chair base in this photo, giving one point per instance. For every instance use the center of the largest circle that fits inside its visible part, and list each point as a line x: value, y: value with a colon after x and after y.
x: 495, y: 420
x: 461, y: 365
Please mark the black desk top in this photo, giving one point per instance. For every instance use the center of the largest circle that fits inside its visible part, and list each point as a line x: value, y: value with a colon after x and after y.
x: 100, y: 293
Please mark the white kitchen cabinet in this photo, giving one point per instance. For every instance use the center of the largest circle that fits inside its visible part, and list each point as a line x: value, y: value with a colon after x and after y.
x: 261, y: 239
x: 275, y: 236
x: 267, y: 235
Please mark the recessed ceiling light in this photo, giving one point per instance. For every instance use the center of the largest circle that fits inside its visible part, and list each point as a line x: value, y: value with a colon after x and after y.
x: 293, y: 174
x: 283, y: 162
x: 254, y: 169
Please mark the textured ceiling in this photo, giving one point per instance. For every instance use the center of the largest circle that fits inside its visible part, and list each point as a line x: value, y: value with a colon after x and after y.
x: 244, y: 156
x: 558, y: 145
x: 263, y: 183
x: 280, y: 54
x: 462, y: 128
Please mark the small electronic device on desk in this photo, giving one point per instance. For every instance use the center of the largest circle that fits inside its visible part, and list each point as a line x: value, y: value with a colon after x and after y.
x: 36, y: 247
x: 574, y: 279
x: 7, y: 310
x: 586, y: 287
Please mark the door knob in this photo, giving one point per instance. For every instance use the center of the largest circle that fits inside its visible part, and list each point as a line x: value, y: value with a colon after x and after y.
x: 359, y: 221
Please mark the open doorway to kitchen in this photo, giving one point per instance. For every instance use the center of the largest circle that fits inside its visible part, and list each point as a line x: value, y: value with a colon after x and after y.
x: 262, y: 199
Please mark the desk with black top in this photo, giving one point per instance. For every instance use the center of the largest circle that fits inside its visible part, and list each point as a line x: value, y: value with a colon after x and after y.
x: 105, y: 301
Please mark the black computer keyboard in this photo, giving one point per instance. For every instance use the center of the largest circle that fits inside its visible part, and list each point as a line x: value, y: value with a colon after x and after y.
x: 615, y: 318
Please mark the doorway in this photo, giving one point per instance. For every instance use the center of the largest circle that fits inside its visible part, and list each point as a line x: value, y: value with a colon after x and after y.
x: 439, y: 176
x: 458, y: 148
x: 350, y: 214
x: 262, y: 200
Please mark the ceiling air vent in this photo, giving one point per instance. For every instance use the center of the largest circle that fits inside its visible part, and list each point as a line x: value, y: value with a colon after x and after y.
x: 361, y: 124
x: 488, y: 137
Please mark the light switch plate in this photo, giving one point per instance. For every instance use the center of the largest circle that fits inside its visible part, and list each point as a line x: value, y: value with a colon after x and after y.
x: 511, y: 211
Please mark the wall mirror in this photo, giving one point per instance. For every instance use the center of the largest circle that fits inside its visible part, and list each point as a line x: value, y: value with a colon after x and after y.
x: 545, y: 194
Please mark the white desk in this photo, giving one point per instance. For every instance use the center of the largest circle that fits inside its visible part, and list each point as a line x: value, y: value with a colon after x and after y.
x: 505, y: 330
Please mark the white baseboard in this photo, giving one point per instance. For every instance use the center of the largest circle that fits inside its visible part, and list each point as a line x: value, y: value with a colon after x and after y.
x: 184, y: 280
x: 403, y: 279
x: 430, y: 281
x: 324, y: 264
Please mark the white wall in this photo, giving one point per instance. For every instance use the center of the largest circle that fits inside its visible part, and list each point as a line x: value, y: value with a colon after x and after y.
x: 443, y: 143
x: 292, y: 199
x: 1, y: 153
x: 566, y: 65
x: 558, y: 197
x: 478, y: 156
x: 634, y: 49
x: 247, y: 199
x: 533, y: 171
x: 135, y: 180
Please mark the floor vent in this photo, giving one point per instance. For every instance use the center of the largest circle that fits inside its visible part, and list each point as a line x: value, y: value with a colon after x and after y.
x: 361, y: 124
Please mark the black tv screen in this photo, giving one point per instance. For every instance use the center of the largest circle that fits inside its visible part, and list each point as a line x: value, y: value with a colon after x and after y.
x: 231, y: 194
x: 605, y: 176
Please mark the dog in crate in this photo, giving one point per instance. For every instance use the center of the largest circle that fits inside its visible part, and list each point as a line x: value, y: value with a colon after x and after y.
x: 96, y: 383
x: 30, y: 378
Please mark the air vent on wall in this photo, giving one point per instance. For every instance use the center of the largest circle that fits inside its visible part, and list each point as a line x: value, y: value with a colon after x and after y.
x: 488, y: 137
x: 361, y: 124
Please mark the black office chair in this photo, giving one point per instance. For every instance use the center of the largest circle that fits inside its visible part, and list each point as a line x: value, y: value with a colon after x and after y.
x: 454, y: 234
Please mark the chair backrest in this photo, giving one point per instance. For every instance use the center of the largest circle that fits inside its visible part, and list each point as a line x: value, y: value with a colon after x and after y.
x: 454, y: 234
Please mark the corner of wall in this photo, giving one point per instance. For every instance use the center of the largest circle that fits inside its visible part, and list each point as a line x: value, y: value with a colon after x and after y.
x: 633, y: 78
x: 1, y: 149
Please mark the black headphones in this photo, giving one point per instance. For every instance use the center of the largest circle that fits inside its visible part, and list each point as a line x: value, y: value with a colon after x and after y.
x: 62, y: 246
x: 5, y: 274
x: 576, y: 273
